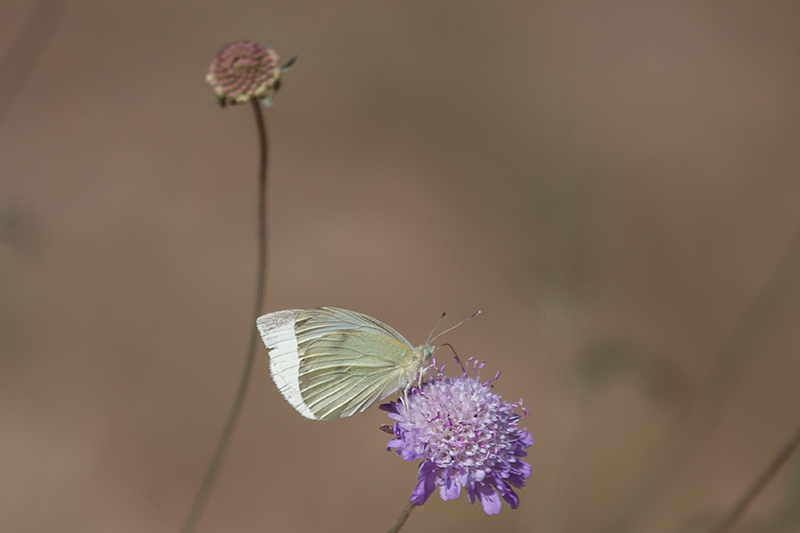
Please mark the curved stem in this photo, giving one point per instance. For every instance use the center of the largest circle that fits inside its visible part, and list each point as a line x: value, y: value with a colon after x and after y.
x: 759, y: 484
x: 213, y: 468
x: 404, y: 514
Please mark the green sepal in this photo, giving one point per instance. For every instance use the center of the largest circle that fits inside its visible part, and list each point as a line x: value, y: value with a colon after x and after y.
x: 288, y: 64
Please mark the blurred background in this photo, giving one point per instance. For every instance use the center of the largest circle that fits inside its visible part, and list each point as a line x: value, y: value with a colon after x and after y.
x: 614, y: 184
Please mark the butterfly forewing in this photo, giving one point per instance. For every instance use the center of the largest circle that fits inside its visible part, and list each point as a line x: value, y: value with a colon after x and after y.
x: 343, y: 373
x: 277, y: 330
x: 312, y: 324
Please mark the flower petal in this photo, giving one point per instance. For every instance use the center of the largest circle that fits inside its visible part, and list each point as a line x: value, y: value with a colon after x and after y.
x: 515, y: 480
x: 394, y: 443
x: 471, y: 493
x: 408, y: 453
x: 511, y: 498
x: 426, y: 469
x: 449, y: 490
x: 489, y: 498
x: 526, y: 439
x: 425, y: 485
x: 390, y: 407
x: 524, y: 469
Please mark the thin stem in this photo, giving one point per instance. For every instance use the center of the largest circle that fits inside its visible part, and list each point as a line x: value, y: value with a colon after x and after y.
x: 25, y: 52
x: 759, y: 484
x: 213, y: 468
x: 404, y: 514
x: 758, y: 321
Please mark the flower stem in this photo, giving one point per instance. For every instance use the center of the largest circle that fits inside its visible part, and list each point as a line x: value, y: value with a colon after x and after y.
x: 404, y: 514
x: 213, y: 468
x: 759, y: 484
x: 25, y: 52
x: 760, y: 319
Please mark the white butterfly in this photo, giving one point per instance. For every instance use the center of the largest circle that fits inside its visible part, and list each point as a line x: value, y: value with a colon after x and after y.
x: 332, y: 363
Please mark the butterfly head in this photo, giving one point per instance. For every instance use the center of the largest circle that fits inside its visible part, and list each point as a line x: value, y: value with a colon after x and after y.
x: 423, y: 356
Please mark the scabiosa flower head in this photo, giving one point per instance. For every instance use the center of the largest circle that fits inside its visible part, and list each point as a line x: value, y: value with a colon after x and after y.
x: 242, y: 71
x: 466, y: 436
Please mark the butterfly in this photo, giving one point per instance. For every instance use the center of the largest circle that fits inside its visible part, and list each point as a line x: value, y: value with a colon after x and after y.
x: 331, y: 363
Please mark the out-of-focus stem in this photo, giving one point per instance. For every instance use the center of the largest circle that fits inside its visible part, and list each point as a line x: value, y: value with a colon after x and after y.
x: 261, y: 274
x: 756, y: 488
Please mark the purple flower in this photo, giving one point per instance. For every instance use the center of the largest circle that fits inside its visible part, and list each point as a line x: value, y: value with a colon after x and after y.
x: 242, y: 71
x: 466, y: 436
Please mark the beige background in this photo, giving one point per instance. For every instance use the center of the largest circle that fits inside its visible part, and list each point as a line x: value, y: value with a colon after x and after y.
x: 614, y: 184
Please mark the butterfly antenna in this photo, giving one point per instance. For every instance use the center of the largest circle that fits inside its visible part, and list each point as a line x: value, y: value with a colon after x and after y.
x: 427, y: 342
x: 476, y: 313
